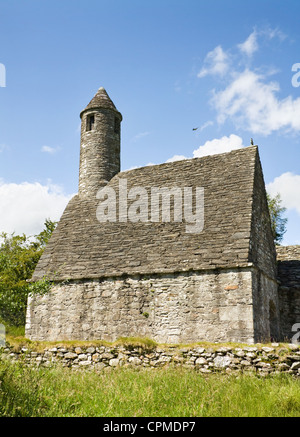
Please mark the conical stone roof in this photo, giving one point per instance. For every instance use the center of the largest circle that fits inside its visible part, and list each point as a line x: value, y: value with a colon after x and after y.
x: 100, y: 100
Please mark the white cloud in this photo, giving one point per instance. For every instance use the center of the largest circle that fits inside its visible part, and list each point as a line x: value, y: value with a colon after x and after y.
x: 250, y: 99
x: 252, y: 104
x: 270, y: 33
x: 214, y: 147
x: 250, y: 45
x: 131, y: 168
x: 140, y: 135
x: 216, y: 62
x: 176, y: 158
x: 287, y: 185
x: 221, y: 145
x: 27, y: 205
x: 206, y: 124
x: 50, y: 150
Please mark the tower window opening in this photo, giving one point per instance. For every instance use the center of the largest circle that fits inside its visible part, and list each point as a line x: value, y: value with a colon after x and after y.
x: 90, y: 122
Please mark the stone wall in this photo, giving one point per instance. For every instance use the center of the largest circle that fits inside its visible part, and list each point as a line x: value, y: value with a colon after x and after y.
x: 262, y: 248
x: 265, y: 308
x: 257, y: 358
x: 168, y: 308
x: 289, y: 288
x: 241, y: 304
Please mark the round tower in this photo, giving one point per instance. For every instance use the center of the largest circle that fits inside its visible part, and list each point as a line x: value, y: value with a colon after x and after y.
x: 99, y: 143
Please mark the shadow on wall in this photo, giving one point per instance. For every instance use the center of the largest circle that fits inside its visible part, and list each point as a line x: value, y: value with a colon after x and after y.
x: 289, y: 297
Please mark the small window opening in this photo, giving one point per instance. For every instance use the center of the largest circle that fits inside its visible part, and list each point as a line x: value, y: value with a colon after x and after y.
x: 117, y: 125
x: 90, y: 122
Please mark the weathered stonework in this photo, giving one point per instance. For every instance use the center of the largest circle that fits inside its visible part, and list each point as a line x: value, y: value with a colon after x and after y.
x: 100, y: 144
x: 174, y: 308
x: 258, y: 359
x: 154, y: 279
x: 266, y: 316
x: 289, y: 288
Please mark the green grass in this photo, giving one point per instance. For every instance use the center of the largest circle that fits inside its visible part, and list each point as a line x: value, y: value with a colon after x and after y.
x: 61, y: 392
x: 16, y: 340
x: 13, y: 331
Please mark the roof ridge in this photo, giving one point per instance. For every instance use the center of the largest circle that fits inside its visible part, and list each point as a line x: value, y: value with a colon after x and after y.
x: 216, y: 155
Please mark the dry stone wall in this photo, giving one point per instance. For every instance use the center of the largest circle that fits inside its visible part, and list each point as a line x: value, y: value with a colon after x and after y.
x: 258, y: 359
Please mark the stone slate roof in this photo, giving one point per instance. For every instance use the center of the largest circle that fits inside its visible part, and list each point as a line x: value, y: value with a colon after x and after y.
x: 100, y: 100
x: 81, y: 247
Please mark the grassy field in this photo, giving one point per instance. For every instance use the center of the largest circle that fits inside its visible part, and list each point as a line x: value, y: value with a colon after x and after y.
x: 61, y: 392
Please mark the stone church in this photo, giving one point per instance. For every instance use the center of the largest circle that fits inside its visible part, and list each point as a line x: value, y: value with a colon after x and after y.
x: 180, y: 268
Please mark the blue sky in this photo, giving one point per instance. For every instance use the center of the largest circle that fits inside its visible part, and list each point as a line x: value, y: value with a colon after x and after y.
x: 222, y: 66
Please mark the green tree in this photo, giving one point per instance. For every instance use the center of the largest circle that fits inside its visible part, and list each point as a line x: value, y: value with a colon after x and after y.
x: 278, y: 222
x: 19, y: 255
